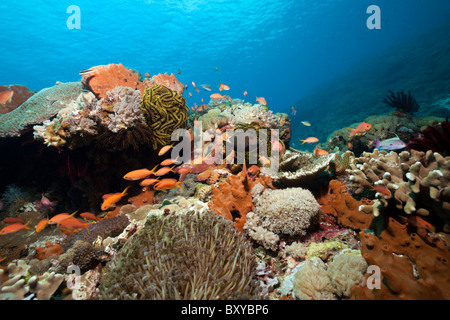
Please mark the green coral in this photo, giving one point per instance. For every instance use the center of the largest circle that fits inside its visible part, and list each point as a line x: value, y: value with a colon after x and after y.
x: 165, y: 111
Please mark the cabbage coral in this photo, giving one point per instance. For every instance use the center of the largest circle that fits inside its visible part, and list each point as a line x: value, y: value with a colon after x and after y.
x: 191, y: 256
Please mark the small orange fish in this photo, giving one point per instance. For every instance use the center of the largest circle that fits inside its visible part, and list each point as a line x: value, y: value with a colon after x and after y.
x: 277, y: 146
x: 169, y: 162
x: 139, y: 174
x: 163, y: 171
x: 164, y: 149
x: 13, y: 228
x: 215, y: 96
x: 192, y: 108
x: 90, y: 216
x: 6, y: 96
x: 361, y: 129
x: 261, y: 100
x: 245, y: 93
x: 73, y: 223
x: 319, y: 152
x: 147, y: 75
x: 166, y: 184
x: 381, y: 189
x: 310, y: 140
x: 12, y: 220
x: 350, y: 145
x: 195, y: 105
x: 41, y: 225
x: 148, y: 182
x: 223, y: 87
x: 60, y: 217
x: 190, y: 94
x: 203, y: 100
x: 183, y: 170
x: 113, y: 199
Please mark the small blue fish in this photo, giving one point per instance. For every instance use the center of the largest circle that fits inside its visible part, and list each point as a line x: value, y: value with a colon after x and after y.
x: 390, y: 144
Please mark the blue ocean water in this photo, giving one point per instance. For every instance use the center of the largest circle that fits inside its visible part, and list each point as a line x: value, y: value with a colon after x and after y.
x: 279, y: 50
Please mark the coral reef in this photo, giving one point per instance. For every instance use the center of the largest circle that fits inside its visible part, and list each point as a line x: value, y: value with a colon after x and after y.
x: 167, y: 260
x: 170, y: 82
x: 165, y: 111
x: 38, y: 108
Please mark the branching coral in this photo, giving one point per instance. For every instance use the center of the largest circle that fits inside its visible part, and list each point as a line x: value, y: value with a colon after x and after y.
x: 168, y: 259
x: 434, y: 138
x: 401, y: 101
x: 413, y: 182
x: 164, y: 111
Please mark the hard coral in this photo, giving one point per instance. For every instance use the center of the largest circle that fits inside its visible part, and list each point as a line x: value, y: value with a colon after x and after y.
x: 168, y: 259
x: 434, y: 138
x: 38, y: 108
x: 165, y: 111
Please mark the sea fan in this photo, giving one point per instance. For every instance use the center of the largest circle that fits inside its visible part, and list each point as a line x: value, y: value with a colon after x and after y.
x: 401, y: 101
x: 434, y: 138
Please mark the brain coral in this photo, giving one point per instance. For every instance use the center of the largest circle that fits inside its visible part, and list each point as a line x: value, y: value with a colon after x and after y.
x: 38, y: 108
x: 192, y: 256
x: 164, y: 110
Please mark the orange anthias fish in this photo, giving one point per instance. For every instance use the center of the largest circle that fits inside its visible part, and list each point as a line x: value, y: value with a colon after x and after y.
x: 215, y: 96
x: 261, y: 100
x: 183, y: 170
x: 361, y: 129
x: 166, y: 184
x: 6, y: 96
x: 41, y: 225
x: 245, y: 93
x: 113, y: 199
x: 381, y: 189
x: 12, y: 220
x: 319, y: 152
x: 164, y: 149
x: 195, y: 87
x: 148, y: 182
x: 310, y: 140
x: 169, y: 162
x: 90, y: 216
x: 13, y: 228
x: 73, y: 223
x: 164, y: 171
x: 139, y: 174
x: 60, y: 217
x: 190, y: 94
x: 223, y: 87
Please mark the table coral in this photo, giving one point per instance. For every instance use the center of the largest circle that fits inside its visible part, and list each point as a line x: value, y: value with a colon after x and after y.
x: 298, y: 168
x: 411, y: 268
x: 165, y: 111
x: 38, y: 108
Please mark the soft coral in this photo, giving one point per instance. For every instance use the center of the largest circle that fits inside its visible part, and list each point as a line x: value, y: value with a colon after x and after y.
x: 434, y: 138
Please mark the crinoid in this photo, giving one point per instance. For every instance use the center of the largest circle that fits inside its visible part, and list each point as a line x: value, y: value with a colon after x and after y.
x: 165, y: 111
x: 401, y: 101
x: 132, y: 138
x: 434, y: 138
